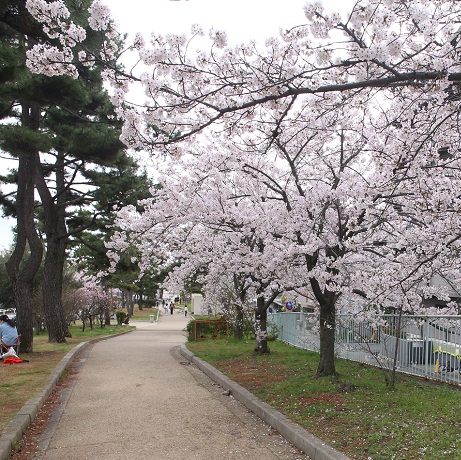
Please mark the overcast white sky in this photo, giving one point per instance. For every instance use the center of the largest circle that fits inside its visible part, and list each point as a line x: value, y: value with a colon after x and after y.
x: 243, y: 20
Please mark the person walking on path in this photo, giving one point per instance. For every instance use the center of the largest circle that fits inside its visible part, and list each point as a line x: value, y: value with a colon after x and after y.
x: 185, y: 310
x: 171, y: 308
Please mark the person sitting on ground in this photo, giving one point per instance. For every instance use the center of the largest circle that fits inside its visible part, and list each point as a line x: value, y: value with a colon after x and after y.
x: 8, y: 332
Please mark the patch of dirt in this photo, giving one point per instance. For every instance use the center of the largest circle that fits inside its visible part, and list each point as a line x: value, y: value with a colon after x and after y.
x: 28, y: 447
x: 252, y: 375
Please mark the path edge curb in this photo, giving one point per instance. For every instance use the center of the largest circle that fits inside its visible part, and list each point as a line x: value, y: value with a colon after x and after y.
x: 14, y: 431
x: 314, y: 447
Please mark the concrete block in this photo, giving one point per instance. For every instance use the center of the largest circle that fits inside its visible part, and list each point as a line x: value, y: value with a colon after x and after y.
x: 29, y: 409
x: 17, y: 427
x: 5, y: 448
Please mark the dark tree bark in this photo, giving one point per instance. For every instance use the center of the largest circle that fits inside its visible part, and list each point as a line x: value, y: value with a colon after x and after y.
x: 262, y: 304
x: 327, y: 341
x: 140, y: 302
x: 22, y: 272
x: 56, y: 244
x: 238, y: 324
x: 327, y: 303
x: 128, y: 295
x: 261, y: 325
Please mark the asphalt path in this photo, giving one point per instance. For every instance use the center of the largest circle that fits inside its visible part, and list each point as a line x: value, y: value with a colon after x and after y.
x: 135, y: 396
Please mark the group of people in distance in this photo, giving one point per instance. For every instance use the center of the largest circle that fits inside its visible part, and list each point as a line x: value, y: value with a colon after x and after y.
x: 170, y: 306
x: 8, y: 333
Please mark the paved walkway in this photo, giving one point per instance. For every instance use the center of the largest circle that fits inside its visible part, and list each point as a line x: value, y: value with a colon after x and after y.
x: 136, y: 397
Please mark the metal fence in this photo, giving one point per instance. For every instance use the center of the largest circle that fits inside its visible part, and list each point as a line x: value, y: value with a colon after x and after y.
x: 426, y: 346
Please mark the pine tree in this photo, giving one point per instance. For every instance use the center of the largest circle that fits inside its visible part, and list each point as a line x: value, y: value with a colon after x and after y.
x: 68, y: 120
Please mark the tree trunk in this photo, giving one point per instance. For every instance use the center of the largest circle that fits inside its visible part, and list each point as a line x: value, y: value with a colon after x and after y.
x: 56, y: 244
x: 20, y: 273
x: 56, y: 323
x: 327, y: 341
x: 261, y: 326
x: 24, y: 318
x: 239, y: 321
x: 140, y: 301
x: 21, y: 279
x: 327, y: 302
x: 129, y: 302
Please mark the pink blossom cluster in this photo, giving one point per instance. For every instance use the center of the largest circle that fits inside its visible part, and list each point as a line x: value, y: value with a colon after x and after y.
x: 91, y: 296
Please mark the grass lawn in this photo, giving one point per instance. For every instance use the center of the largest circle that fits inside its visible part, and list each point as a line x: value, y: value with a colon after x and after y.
x: 356, y: 413
x: 20, y: 382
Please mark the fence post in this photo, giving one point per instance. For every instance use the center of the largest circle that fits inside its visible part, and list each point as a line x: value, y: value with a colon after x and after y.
x: 426, y: 341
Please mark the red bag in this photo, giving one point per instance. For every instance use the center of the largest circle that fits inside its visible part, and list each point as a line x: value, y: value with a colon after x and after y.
x: 12, y: 360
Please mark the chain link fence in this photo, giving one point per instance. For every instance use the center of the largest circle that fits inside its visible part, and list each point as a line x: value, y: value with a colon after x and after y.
x: 426, y: 346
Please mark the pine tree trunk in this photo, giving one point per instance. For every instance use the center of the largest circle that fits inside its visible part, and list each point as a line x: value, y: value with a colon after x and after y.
x: 56, y: 244
x: 24, y: 318
x: 22, y: 272
x: 129, y: 302
x: 140, y: 301
x: 52, y: 293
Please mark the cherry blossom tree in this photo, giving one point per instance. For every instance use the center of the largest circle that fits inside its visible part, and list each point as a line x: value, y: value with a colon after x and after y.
x: 205, y: 232
x: 322, y: 205
x: 92, y: 300
x: 231, y: 294
x: 231, y: 291
x: 339, y: 139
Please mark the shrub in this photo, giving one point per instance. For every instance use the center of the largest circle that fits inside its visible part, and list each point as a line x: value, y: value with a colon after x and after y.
x: 121, y: 317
